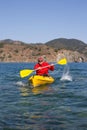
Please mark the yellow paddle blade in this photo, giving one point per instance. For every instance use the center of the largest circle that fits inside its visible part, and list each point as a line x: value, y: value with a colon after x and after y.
x: 62, y: 61
x: 25, y: 72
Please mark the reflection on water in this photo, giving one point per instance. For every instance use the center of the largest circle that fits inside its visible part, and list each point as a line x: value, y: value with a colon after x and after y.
x: 26, y: 90
x: 41, y: 89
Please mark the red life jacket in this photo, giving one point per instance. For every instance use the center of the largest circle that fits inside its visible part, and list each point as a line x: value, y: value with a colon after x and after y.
x: 43, y: 71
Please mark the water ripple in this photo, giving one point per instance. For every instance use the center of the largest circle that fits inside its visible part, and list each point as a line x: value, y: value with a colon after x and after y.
x: 61, y: 105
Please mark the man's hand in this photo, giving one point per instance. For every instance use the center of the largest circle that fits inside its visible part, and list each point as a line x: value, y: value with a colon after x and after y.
x: 39, y: 68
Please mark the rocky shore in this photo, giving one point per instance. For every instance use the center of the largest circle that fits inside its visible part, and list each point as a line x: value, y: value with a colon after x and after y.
x: 19, y: 52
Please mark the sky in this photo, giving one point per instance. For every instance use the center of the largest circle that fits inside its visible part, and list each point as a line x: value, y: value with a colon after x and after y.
x: 40, y: 21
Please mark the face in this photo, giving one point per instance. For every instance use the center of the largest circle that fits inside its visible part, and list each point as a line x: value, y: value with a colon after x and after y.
x: 40, y: 61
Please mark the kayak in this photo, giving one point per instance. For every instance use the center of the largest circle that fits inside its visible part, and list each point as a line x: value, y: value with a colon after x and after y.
x: 37, y: 80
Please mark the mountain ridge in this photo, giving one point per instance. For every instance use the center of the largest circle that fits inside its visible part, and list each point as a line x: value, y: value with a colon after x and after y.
x: 18, y: 51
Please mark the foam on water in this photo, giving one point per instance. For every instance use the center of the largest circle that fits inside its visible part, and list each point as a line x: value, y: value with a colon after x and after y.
x: 66, y: 77
x: 20, y: 83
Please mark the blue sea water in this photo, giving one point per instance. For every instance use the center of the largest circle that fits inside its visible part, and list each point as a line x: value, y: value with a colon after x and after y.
x: 58, y: 106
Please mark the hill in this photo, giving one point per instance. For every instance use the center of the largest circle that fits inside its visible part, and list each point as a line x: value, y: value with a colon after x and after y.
x: 68, y: 44
x: 17, y: 51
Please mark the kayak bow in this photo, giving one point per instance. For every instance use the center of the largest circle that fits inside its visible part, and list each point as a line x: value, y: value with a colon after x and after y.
x: 38, y: 80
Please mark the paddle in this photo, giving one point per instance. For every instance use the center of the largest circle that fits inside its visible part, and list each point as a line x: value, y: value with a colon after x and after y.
x: 26, y: 72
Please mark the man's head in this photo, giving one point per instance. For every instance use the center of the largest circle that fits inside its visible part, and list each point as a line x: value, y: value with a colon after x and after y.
x: 40, y: 59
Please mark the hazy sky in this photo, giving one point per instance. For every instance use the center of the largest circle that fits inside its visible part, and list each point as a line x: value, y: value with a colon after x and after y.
x: 34, y: 21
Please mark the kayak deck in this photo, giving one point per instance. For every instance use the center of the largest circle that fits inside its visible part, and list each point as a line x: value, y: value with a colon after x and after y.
x: 37, y: 80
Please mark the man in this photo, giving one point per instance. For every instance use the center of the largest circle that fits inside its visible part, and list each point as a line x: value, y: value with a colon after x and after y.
x: 42, y: 67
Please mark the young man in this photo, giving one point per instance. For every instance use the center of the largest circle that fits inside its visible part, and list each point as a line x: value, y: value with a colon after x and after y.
x: 42, y: 67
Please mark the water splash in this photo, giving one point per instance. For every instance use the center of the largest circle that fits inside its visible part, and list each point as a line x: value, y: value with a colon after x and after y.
x: 20, y: 83
x: 66, y: 74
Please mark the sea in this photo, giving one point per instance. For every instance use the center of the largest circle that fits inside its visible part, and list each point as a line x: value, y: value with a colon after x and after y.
x: 61, y: 105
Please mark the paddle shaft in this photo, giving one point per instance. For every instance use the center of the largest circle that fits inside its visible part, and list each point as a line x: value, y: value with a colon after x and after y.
x: 45, y: 66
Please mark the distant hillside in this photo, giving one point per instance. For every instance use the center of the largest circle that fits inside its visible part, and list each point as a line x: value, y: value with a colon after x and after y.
x: 17, y: 51
x: 9, y: 41
x: 68, y: 44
